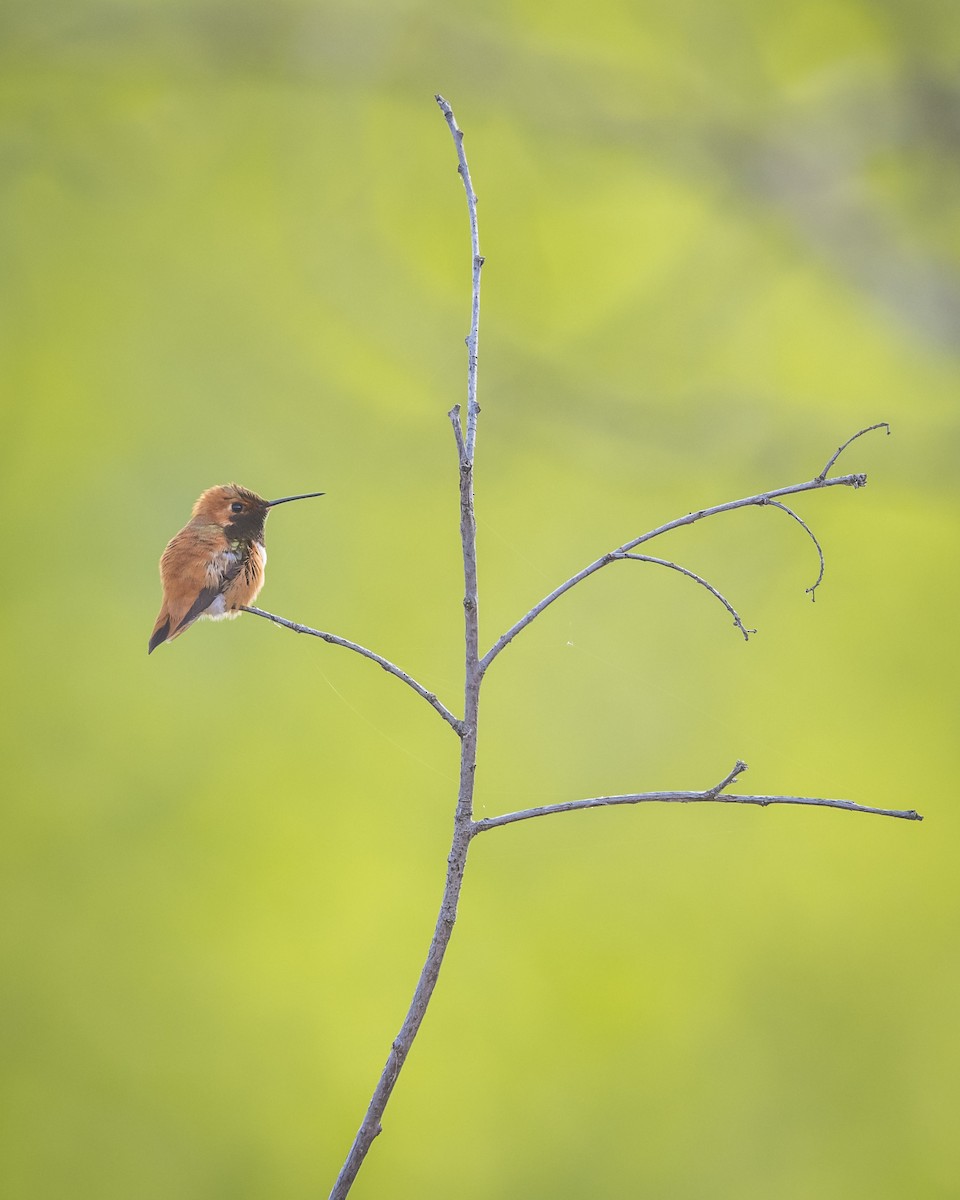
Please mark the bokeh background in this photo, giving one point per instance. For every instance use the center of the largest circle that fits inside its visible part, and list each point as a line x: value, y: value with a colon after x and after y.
x: 720, y: 239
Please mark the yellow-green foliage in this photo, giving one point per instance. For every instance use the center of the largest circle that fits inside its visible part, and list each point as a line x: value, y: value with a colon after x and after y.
x: 720, y: 238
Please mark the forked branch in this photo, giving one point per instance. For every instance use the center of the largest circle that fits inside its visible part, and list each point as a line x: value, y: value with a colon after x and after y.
x: 465, y: 828
x: 714, y: 795
x: 762, y: 498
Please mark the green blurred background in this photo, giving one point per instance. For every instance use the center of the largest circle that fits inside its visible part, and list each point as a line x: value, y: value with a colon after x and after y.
x: 720, y: 239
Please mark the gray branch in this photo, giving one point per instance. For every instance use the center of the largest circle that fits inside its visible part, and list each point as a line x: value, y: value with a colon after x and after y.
x: 473, y: 338
x: 812, y: 589
x: 762, y: 498
x: 713, y: 795
x: 463, y: 819
x: 388, y: 666
x: 840, y: 449
x: 665, y: 562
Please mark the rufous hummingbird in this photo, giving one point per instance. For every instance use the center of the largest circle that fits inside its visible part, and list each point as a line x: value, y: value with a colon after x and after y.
x: 215, y: 564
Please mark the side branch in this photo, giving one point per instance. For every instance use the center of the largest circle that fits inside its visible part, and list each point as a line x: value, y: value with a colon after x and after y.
x: 665, y: 562
x: 762, y: 498
x: 714, y: 795
x: 840, y: 449
x: 430, y: 697
x: 812, y: 589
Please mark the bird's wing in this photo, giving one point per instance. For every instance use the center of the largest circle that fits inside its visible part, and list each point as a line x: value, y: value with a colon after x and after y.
x: 205, y: 597
x: 194, y: 575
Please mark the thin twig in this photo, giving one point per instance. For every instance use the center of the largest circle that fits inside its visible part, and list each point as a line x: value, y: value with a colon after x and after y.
x: 735, y: 771
x: 811, y: 591
x: 713, y: 795
x: 388, y: 666
x: 685, y: 798
x: 665, y: 562
x: 840, y: 449
x: 811, y: 485
x: 454, y: 415
x: 473, y: 338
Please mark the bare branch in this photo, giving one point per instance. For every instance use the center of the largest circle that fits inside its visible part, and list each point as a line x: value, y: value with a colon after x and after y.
x: 904, y: 814
x: 811, y: 485
x: 859, y: 434
x: 473, y: 338
x: 454, y: 415
x: 388, y: 666
x: 812, y: 589
x: 400, y: 1048
x: 467, y: 728
x: 737, y: 770
x: 665, y: 562
x: 713, y: 795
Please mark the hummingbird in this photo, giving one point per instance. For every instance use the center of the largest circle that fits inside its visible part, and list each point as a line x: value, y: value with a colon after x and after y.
x: 215, y: 564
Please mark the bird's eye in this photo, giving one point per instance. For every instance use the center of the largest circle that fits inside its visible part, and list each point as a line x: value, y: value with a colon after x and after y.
x: 236, y: 507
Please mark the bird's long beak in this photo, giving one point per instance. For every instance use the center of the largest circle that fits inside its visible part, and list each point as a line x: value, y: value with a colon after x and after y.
x: 287, y: 499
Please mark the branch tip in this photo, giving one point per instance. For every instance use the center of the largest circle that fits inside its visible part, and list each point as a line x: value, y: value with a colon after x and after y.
x: 738, y: 769
x: 812, y: 590
x: 664, y: 562
x: 859, y: 434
